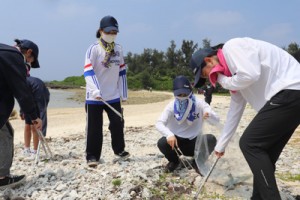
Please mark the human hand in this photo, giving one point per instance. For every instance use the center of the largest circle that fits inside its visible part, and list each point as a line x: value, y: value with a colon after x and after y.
x: 99, y: 98
x: 205, y: 115
x: 37, y: 124
x: 172, y: 141
x: 219, y: 154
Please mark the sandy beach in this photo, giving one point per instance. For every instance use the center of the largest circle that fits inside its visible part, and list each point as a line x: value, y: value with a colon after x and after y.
x: 65, y: 121
x: 231, y: 178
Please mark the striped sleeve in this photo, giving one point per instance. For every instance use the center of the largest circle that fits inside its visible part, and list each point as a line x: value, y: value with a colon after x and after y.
x: 123, y: 82
x: 92, y: 84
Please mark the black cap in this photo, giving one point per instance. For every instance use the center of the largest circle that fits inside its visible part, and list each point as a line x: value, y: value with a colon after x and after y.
x: 181, y: 85
x: 27, y: 44
x: 197, y: 63
x: 109, y: 23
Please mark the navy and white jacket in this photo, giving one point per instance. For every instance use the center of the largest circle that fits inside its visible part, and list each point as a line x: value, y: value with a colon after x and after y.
x: 109, y: 83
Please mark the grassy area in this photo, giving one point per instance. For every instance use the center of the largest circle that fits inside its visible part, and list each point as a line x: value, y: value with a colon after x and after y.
x: 135, y: 97
x: 288, y: 177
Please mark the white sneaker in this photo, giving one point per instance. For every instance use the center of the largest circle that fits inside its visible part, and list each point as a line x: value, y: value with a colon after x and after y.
x: 26, y: 152
x: 33, y: 151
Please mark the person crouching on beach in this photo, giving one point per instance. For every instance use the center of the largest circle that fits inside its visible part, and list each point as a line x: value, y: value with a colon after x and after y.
x: 268, y: 78
x: 181, y: 122
x: 105, y: 76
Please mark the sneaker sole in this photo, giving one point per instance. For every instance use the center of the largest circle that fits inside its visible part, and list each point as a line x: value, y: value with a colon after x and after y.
x: 123, y: 157
x: 119, y: 158
x: 13, y: 185
x: 93, y: 164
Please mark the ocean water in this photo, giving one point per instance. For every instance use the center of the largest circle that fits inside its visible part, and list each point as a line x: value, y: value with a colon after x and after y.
x: 59, y: 99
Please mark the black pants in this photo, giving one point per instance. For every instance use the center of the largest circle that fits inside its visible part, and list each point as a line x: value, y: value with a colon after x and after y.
x: 185, y: 145
x: 94, y: 130
x: 265, y: 138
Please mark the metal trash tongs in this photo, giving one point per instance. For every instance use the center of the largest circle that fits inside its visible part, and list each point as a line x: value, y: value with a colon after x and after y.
x: 45, y: 145
x: 184, y: 159
x: 205, y: 178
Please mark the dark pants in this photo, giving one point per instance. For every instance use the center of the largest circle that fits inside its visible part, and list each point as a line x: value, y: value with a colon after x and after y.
x: 6, y: 148
x: 265, y: 138
x: 185, y: 145
x: 94, y: 130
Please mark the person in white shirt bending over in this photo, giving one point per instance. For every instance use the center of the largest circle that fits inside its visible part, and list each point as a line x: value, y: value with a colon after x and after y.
x: 268, y: 78
x: 181, y: 122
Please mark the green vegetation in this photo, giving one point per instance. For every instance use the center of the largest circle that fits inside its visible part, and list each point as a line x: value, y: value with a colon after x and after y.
x: 213, y: 196
x: 288, y: 177
x: 69, y: 82
x: 153, y: 69
x: 116, y: 182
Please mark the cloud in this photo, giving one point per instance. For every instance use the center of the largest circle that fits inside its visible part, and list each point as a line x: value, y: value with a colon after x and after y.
x: 277, y: 31
x: 218, y: 20
x: 71, y: 10
x: 136, y: 28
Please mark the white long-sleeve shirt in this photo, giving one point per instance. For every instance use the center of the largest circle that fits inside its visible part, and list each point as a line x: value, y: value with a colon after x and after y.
x: 109, y: 83
x: 168, y: 126
x: 259, y: 71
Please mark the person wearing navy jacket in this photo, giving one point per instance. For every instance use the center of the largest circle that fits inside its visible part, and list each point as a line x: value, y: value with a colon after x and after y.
x: 41, y: 96
x: 13, y: 85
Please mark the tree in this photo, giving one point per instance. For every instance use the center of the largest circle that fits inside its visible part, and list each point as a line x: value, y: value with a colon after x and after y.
x: 188, y: 48
x: 157, y: 69
x: 172, y: 56
x: 146, y: 79
x: 206, y: 43
x: 294, y: 50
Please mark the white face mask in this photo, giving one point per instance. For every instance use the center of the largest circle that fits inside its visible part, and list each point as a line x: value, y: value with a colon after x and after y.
x: 109, y: 38
x: 183, y: 98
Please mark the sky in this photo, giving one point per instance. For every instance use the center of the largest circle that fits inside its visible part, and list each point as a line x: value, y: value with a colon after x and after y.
x: 64, y: 29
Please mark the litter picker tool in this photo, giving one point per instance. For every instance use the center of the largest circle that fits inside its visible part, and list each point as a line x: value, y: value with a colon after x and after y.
x: 183, y: 158
x: 115, y: 111
x: 205, y: 178
x: 118, y: 113
x: 46, y: 148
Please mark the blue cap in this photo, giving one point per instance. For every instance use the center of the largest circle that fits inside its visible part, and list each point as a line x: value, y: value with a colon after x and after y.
x: 181, y: 85
x: 27, y: 44
x: 109, y: 23
x: 197, y: 64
